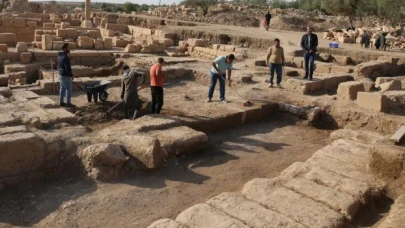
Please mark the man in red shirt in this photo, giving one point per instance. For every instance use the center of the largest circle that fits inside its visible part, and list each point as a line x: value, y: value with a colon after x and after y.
x: 156, y: 86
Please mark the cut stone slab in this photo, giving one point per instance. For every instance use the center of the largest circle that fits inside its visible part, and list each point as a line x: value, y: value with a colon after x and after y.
x: 46, y: 102
x: 343, y: 156
x: 366, y: 137
x: 381, y: 80
x: 29, y: 95
x: 341, y: 168
x: 11, y: 130
x: 180, y: 140
x: 387, y: 160
x: 166, y: 223
x: 205, y: 216
x: 250, y: 212
x: 359, y: 190
x: 372, y: 101
x: 396, y: 218
x: 291, y: 204
x: 58, y: 115
x: 392, y: 85
x: 335, y: 199
x: 399, y: 135
x: 349, y: 90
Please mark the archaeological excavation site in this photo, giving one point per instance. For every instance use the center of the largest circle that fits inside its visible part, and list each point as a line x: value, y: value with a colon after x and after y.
x: 321, y: 152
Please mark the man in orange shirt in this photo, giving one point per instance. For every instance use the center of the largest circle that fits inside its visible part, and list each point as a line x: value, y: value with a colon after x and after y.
x: 156, y: 86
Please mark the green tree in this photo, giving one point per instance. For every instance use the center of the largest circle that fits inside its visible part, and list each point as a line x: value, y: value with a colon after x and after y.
x: 129, y: 7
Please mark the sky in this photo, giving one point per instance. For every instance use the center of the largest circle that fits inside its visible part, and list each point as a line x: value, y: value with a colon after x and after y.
x: 122, y: 1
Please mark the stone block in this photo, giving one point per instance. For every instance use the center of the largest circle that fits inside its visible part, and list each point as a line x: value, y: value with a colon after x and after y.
x: 62, y: 33
x: 9, y: 39
x: 117, y: 42
x: 166, y: 223
x: 98, y: 44
x: 368, y: 84
x: 5, y: 92
x: 94, y: 34
x: 72, y: 33
x: 381, y: 80
x: 47, y: 42
x: 395, y: 100
x: 26, y: 57
x: 57, y: 45
x: 133, y: 48
x: 372, y: 101
x: 64, y: 25
x: 203, y: 215
x: 323, y: 67
x: 251, y: 213
x: 49, y: 25
x: 17, y: 78
x: 21, y: 47
x: 386, y: 160
x: 291, y: 204
x: 19, y: 22
x: 330, y: 82
x: 349, y: 90
x: 298, y: 62
x: 392, y: 85
x: 399, y: 135
x: 197, y: 42
x: 298, y: 85
x: 107, y: 43
x: 45, y: 102
x: 341, y: 60
x: 85, y: 42
x: 3, y: 80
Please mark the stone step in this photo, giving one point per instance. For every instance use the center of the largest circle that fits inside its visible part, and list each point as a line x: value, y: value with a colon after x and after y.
x: 399, y: 134
x: 356, y: 148
x: 205, y: 216
x: 365, y: 137
x: 166, y: 223
x: 341, y: 168
x: 251, y: 213
x: 341, y: 155
x: 360, y: 190
x: 291, y: 204
x: 337, y: 200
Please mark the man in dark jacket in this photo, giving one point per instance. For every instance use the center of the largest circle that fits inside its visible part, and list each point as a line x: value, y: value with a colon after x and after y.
x: 365, y: 40
x: 65, y: 77
x: 267, y: 18
x: 309, y: 43
x: 129, y: 92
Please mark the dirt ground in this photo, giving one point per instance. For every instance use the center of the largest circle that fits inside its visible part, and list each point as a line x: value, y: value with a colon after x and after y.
x: 231, y: 159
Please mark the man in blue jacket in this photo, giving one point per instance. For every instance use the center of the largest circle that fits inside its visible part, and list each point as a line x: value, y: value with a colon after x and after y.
x: 309, y: 43
x: 65, y: 77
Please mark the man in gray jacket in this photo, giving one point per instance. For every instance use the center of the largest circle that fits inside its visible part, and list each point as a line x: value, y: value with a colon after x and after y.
x: 129, y: 92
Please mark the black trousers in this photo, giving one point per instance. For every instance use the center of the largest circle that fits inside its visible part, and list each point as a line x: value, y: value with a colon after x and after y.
x: 157, y: 99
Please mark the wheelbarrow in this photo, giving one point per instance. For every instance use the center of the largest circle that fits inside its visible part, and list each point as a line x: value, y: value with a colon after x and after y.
x: 96, y: 89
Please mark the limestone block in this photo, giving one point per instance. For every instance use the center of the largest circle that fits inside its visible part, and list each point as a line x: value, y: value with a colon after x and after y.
x: 6, y: 92
x: 381, y: 80
x: 372, y: 101
x: 323, y: 67
x: 386, y: 160
x: 49, y: 25
x: 7, y: 21
x: 392, y: 85
x: 94, y: 34
x: 26, y: 57
x: 19, y: 22
x: 98, y: 44
x: 341, y: 60
x: 3, y: 80
x: 107, y: 43
x: 3, y: 48
x: 117, y: 42
x: 38, y: 38
x: 103, y: 161
x: 197, y: 42
x: 72, y: 33
x: 133, y: 48
x: 21, y: 47
x: 17, y: 78
x: 203, y: 215
x: 85, y: 42
x: 72, y: 45
x: 8, y: 38
x: 166, y: 223
x: 47, y: 42
x: 298, y: 62
x: 39, y: 32
x: 61, y: 33
x: 45, y: 102
x: 349, y: 90
x: 298, y: 85
x: 330, y: 82
x: 64, y: 25
x: 155, y: 48
x: 291, y: 204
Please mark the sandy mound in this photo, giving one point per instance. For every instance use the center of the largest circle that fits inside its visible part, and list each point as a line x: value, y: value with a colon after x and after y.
x: 236, y: 18
x: 299, y: 23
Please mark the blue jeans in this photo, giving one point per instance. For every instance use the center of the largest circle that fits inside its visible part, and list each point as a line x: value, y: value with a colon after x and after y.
x: 278, y: 68
x: 309, y: 64
x: 214, y: 78
x: 65, y: 87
